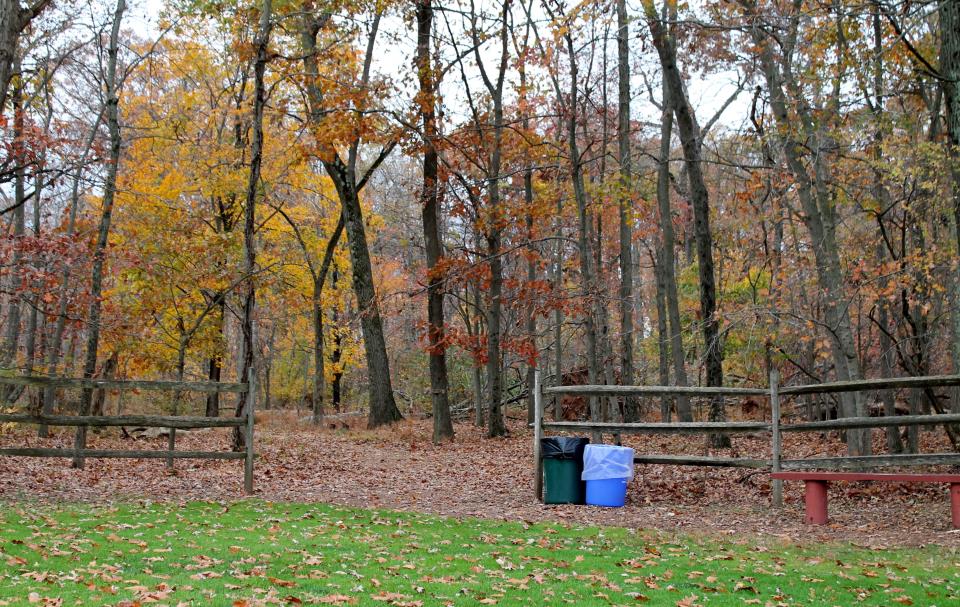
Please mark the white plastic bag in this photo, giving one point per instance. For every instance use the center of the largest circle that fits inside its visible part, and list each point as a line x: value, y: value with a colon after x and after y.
x: 607, y: 461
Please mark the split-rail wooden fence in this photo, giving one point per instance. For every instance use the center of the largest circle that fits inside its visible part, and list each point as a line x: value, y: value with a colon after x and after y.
x: 774, y: 426
x: 244, y: 422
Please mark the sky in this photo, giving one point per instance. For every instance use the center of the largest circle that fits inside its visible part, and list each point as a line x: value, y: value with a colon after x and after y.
x: 707, y: 94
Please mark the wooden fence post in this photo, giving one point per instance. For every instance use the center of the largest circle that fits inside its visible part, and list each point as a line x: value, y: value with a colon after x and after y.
x: 537, y: 435
x: 776, y: 447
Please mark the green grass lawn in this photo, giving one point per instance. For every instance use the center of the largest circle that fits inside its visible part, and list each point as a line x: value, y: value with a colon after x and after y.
x: 257, y: 553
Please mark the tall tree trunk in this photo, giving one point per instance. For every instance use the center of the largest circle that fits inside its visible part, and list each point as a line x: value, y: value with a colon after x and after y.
x: 479, y: 419
x: 699, y: 198
x: 247, y: 366
x: 530, y: 318
x: 529, y: 310
x: 558, y: 310
x: 584, y: 221
x: 337, y: 354
x: 605, y: 373
x: 950, y: 72
x: 383, y: 406
x: 317, y: 385
x: 429, y: 200
x: 894, y: 444
x: 496, y: 425
x: 631, y: 409
x: 663, y: 337
x: 33, y: 320
x: 99, y: 254
x: 667, y: 262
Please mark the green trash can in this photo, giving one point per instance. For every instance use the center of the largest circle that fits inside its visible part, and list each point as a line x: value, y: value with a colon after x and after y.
x: 562, y: 467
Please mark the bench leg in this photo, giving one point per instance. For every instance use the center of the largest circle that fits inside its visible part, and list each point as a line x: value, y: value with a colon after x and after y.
x: 955, y: 504
x: 816, y: 502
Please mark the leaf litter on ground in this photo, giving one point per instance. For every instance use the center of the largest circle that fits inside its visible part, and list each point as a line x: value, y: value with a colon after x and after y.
x: 399, y: 468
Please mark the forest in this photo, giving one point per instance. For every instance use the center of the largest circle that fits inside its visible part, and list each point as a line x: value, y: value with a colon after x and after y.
x: 405, y: 208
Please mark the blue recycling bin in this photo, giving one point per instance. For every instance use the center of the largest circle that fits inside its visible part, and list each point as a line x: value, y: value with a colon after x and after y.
x: 606, y: 470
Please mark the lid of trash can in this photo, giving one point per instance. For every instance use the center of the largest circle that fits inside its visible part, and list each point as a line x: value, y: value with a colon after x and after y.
x: 607, y: 461
x: 563, y: 447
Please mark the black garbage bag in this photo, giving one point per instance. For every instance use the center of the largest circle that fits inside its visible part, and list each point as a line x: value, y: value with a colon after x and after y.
x: 563, y: 447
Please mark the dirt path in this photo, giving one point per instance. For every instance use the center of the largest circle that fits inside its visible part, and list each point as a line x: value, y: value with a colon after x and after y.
x: 398, y: 469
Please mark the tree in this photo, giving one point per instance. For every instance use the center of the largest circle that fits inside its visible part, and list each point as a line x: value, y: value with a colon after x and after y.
x: 692, y: 154
x: 427, y: 76
x: 631, y: 409
x: 318, y: 276
x: 950, y: 73
x: 798, y: 136
x: 247, y: 364
x: 111, y: 104
x: 349, y: 182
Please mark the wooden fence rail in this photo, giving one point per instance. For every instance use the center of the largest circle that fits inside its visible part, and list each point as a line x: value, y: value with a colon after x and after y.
x: 120, y: 384
x: 774, y: 392
x: 244, y: 422
x: 653, y: 391
x: 660, y: 428
x: 146, y: 421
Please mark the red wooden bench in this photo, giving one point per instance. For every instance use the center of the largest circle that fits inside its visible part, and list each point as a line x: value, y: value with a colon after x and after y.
x: 816, y: 488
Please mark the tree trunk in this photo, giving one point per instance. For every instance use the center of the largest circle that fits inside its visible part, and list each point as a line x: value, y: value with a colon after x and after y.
x: 108, y: 371
x: 530, y: 320
x: 335, y: 356
x: 667, y: 261
x: 496, y: 426
x: 267, y: 368
x: 106, y: 214
x: 699, y: 198
x: 529, y: 310
x: 894, y: 444
x: 631, y: 409
x: 558, y: 310
x: 663, y: 338
x: 584, y: 221
x: 950, y: 72
x: 247, y: 366
x: 383, y: 406
x: 429, y: 200
x: 478, y: 387
x: 317, y: 387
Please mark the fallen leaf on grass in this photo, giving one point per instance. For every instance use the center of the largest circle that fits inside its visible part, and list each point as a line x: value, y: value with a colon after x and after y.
x: 336, y: 599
